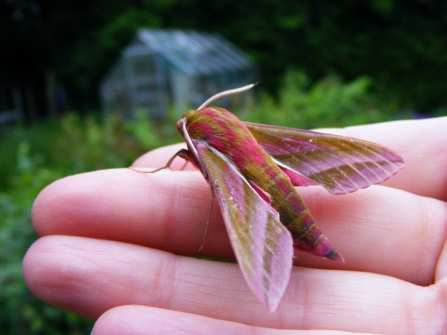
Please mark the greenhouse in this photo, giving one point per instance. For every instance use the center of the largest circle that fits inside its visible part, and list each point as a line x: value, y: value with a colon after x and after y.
x: 164, y: 69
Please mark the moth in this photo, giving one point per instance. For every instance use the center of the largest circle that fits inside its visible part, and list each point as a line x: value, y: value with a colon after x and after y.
x: 252, y: 170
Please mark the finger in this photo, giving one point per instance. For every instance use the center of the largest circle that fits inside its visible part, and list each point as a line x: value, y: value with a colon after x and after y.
x: 166, y: 211
x: 89, y: 276
x: 144, y: 320
x: 380, y: 229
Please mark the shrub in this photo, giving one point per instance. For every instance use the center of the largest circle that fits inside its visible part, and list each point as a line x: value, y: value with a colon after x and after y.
x: 328, y: 103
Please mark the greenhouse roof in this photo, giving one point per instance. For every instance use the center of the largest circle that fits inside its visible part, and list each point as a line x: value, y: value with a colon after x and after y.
x: 191, y: 52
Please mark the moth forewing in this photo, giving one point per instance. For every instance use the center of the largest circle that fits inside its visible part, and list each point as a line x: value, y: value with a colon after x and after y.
x: 262, y: 245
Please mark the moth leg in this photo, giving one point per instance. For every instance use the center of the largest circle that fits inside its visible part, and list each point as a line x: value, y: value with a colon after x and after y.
x: 208, y: 220
x: 183, y: 153
x: 184, y: 165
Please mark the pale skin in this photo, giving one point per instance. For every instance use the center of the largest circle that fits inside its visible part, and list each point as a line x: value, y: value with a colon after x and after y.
x: 114, y: 247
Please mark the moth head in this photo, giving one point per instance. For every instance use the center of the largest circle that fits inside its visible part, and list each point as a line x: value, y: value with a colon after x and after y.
x: 187, y: 119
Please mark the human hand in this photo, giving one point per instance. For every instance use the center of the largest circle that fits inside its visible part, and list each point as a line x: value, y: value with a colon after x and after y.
x: 114, y: 246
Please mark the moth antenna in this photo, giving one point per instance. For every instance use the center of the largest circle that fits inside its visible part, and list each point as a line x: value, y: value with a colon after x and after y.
x: 225, y: 93
x: 207, y: 221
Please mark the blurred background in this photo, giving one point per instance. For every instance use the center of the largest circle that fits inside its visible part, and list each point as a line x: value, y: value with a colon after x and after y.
x: 88, y: 85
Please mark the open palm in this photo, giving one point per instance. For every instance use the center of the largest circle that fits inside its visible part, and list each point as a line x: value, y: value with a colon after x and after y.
x: 115, y: 247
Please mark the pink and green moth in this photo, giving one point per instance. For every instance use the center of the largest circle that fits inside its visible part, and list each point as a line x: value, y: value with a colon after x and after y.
x: 252, y: 170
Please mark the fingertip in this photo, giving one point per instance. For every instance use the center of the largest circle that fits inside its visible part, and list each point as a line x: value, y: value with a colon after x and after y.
x: 41, y: 208
x: 41, y: 272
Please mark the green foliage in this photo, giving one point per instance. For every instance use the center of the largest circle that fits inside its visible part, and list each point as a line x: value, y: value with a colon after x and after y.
x: 327, y: 103
x: 20, y: 311
x: 86, y: 145
x: 40, y: 136
x: 31, y: 159
x: 152, y: 135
